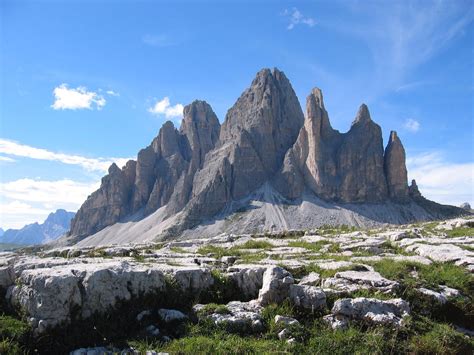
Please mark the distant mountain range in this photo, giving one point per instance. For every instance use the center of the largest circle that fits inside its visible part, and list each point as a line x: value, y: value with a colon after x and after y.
x: 269, y: 166
x: 56, y: 225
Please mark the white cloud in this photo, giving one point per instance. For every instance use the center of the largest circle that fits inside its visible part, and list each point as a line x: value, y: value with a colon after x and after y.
x: 60, y: 192
x: 112, y: 93
x: 26, y: 201
x: 91, y: 164
x: 440, y: 180
x: 412, y: 125
x: 6, y: 159
x: 295, y: 17
x: 76, y: 99
x: 163, y: 107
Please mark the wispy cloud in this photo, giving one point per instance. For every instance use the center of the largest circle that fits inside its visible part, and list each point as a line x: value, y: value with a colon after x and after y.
x: 441, y: 180
x: 66, y: 98
x: 163, y: 107
x: 158, y: 40
x: 401, y: 37
x: 12, y: 148
x: 295, y: 17
x: 112, y: 93
x: 411, y: 125
x: 29, y: 200
x: 6, y: 159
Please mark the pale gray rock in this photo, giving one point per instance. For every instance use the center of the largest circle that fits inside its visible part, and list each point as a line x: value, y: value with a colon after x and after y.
x: 7, y: 276
x: 312, y: 279
x: 241, y: 316
x: 258, y: 130
x: 149, y: 183
x: 284, y: 334
x: 395, y: 169
x: 337, y: 321
x: 276, y: 286
x: 372, y: 310
x: 171, y: 315
x: 307, y: 297
x: 249, y: 279
x: 466, y: 206
x: 339, y: 167
x: 442, y: 296
x: 371, y: 279
x: 444, y: 253
x: 108, y: 204
x: 286, y: 321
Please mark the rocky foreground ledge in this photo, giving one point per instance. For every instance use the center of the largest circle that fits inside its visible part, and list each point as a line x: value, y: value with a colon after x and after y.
x: 401, y: 289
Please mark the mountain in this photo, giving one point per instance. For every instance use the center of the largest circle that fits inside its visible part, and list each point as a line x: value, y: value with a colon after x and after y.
x: 1, y: 231
x: 268, y: 167
x: 55, y: 225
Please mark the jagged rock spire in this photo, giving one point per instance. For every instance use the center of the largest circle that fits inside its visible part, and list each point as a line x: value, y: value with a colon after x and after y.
x: 363, y: 115
x: 414, y: 191
x: 395, y: 169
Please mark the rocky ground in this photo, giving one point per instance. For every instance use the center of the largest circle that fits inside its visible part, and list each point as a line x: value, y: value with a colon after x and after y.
x: 330, y: 290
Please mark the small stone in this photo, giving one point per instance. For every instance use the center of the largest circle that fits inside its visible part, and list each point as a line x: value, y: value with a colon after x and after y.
x: 285, y: 320
x: 171, y: 315
x: 284, y: 334
x: 152, y: 330
x: 142, y: 315
x: 337, y: 321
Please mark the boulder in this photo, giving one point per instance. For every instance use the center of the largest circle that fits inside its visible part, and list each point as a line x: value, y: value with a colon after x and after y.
x: 307, y: 297
x: 239, y: 316
x: 312, y: 279
x: 276, y: 286
x: 372, y: 310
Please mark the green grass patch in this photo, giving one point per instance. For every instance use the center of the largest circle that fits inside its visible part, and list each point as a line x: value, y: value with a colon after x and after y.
x: 214, y: 308
x: 460, y: 232
x: 178, y: 250
x: 441, y: 339
x: 255, y: 244
x: 314, y: 247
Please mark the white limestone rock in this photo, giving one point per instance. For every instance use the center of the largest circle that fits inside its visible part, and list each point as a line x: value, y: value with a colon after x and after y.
x: 286, y: 321
x: 239, y: 316
x: 248, y: 278
x: 307, y: 297
x: 276, y: 286
x: 372, y: 310
x: 312, y: 279
x: 171, y: 315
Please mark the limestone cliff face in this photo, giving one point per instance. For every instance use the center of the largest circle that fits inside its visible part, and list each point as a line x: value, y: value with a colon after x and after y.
x: 338, y: 167
x: 109, y: 203
x: 257, y: 132
x: 360, y: 161
x: 395, y: 169
x: 200, y: 169
x: 162, y: 173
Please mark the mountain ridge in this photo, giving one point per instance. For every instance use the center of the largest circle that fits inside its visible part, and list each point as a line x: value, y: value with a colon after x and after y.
x: 191, y: 175
x: 54, y: 226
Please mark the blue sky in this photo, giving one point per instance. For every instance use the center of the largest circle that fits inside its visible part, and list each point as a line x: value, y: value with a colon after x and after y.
x: 85, y: 83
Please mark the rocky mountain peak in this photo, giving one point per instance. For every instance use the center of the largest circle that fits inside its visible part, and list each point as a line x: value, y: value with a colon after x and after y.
x: 201, y: 127
x: 265, y: 144
x: 363, y: 115
x: 113, y: 169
